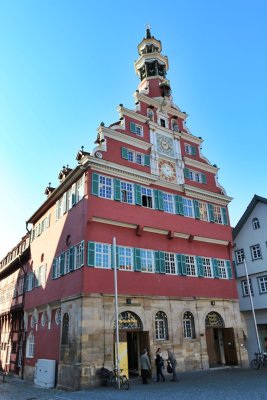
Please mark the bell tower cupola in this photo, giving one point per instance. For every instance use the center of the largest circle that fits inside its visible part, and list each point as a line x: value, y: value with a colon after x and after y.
x: 152, y: 66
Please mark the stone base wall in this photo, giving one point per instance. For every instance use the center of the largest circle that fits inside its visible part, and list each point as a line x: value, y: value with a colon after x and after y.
x: 91, y: 334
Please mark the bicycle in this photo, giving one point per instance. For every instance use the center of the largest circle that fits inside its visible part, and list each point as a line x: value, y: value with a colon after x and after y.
x: 114, y: 381
x: 259, y: 361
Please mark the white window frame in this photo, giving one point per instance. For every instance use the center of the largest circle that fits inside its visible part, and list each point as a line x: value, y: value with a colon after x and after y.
x: 170, y: 263
x: 147, y: 260
x: 262, y: 282
x: 207, y: 267
x: 138, y: 130
x: 188, y: 207
x: 141, y: 159
x: 168, y: 203
x: 217, y: 212
x: 148, y: 193
x: 125, y: 258
x: 255, y: 252
x: 245, y: 290
x: 105, y: 187
x: 203, y: 211
x: 127, y: 192
x: 239, y: 256
x: 102, y: 255
x: 161, y: 326
x: 190, y: 263
x: 78, y: 255
x: 222, y: 270
x: 30, y: 346
x: 256, y: 223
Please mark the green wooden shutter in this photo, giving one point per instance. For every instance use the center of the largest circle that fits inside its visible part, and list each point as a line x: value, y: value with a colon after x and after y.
x: 203, y: 178
x: 196, y: 208
x: 215, y: 268
x: 229, y: 269
x: 179, y: 207
x: 61, y: 261
x: 156, y: 199
x: 71, y: 258
x: 199, y: 266
x: 179, y: 264
x: 157, y: 264
x: 137, y: 260
x: 193, y: 150
x: 91, y: 254
x: 147, y: 160
x: 162, y: 268
x: 160, y: 200
x: 224, y: 216
x: 95, y: 184
x: 117, y: 189
x: 124, y: 153
x: 138, y: 197
x: 186, y: 173
x: 54, y: 266
x: 183, y: 265
x: 82, y: 252
x: 211, y: 212
x: 132, y: 127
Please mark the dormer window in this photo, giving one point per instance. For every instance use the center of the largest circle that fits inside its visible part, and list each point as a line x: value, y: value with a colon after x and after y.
x: 255, y: 223
x: 137, y: 129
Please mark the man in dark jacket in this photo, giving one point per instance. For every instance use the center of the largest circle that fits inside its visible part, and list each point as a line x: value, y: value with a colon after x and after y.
x: 173, y: 362
x: 145, y: 366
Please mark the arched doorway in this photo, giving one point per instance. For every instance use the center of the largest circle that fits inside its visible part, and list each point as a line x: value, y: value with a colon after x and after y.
x: 132, y: 340
x: 220, y: 341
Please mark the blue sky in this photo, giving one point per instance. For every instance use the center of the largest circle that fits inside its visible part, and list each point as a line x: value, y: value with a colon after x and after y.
x: 66, y: 65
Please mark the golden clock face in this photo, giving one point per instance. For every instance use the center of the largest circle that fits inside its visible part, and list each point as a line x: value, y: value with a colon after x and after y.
x: 167, y: 170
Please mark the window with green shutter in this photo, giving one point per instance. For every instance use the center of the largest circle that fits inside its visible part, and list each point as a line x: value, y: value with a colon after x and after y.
x: 203, y: 178
x: 95, y: 184
x: 159, y: 262
x: 181, y: 265
x: 199, y: 266
x: 117, y: 189
x: 215, y: 268
x: 124, y: 153
x: 158, y: 200
x: 196, y: 209
x: 137, y: 260
x: 229, y: 269
x: 137, y: 195
x: 179, y: 207
x: 224, y: 216
x: 147, y: 160
x: 91, y: 254
x: 186, y: 173
x: 211, y: 212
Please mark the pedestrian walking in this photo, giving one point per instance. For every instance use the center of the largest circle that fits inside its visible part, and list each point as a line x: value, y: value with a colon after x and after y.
x: 145, y: 367
x: 173, y: 362
x: 159, y: 365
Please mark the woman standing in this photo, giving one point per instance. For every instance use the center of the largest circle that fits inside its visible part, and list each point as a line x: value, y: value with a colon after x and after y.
x: 159, y: 365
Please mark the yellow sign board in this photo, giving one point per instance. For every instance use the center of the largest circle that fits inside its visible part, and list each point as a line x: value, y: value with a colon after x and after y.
x: 123, y: 358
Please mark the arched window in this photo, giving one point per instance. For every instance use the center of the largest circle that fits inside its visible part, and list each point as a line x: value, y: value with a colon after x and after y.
x: 174, y: 125
x: 161, y: 326
x: 30, y: 345
x: 256, y: 223
x: 150, y: 114
x: 189, y: 325
x: 65, y: 329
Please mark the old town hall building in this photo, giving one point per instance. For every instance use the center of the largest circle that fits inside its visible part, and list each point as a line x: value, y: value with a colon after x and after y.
x: 147, y: 184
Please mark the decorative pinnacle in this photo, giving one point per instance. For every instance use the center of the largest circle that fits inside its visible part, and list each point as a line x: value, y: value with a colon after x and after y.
x: 148, y: 34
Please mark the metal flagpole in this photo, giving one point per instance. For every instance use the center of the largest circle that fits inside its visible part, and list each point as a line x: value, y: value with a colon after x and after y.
x: 252, y: 306
x: 116, y: 311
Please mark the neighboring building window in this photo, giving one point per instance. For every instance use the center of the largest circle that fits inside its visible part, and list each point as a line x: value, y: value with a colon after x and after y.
x: 29, y: 283
x: 102, y: 255
x: 222, y: 272
x: 255, y: 252
x: 67, y: 261
x: 65, y: 329
x: 189, y: 325
x: 127, y: 192
x: 161, y: 326
x: 190, y: 265
x: 30, y: 346
x: 41, y: 276
x: 79, y: 189
x: 263, y: 284
x: 125, y: 258
x: 239, y: 255
x: 207, y: 267
x: 169, y: 263
x: 146, y: 260
x: 147, y: 197
x: 168, y: 204
x: 256, y: 223
x: 245, y: 289
x: 188, y: 207
x: 217, y: 214
x: 203, y: 211
x: 105, y: 187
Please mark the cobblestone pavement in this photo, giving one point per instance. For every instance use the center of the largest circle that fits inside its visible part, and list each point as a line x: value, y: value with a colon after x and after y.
x: 223, y: 384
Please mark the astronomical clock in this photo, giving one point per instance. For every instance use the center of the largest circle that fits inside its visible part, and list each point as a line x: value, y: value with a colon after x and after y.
x: 167, y: 170
x: 165, y: 145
